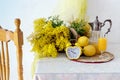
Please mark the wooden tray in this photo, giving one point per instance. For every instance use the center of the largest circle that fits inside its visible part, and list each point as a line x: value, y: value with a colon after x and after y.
x: 104, y: 57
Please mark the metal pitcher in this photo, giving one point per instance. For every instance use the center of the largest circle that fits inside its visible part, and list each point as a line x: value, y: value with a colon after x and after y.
x: 96, y: 29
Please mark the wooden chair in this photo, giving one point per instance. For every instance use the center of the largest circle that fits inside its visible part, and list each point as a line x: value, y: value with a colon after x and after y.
x: 5, y: 37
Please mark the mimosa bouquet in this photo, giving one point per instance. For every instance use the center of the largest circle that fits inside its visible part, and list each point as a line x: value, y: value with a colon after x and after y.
x: 49, y: 36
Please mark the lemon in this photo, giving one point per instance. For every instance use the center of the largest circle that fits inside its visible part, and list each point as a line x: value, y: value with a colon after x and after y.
x: 87, y: 27
x: 96, y: 47
x: 89, y: 50
x: 83, y: 41
x: 97, y: 50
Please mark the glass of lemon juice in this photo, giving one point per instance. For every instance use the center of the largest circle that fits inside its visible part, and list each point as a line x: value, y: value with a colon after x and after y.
x: 102, y: 43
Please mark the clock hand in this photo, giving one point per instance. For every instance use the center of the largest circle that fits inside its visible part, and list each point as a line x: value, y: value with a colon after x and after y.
x: 73, y: 52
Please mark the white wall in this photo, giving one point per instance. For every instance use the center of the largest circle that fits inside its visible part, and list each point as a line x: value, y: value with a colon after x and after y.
x: 27, y: 11
x: 106, y: 9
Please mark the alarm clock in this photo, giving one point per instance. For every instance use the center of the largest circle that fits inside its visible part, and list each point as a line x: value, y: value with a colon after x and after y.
x: 73, y: 52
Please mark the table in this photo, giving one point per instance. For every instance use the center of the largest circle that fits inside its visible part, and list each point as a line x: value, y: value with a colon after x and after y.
x: 61, y: 68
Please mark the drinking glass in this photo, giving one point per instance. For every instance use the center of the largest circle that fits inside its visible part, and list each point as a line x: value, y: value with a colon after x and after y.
x: 94, y: 40
x: 102, y: 43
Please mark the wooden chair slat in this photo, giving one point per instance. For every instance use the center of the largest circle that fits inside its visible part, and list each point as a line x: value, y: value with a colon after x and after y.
x: 7, y: 63
x: 1, y: 72
x: 17, y: 38
x: 3, y: 60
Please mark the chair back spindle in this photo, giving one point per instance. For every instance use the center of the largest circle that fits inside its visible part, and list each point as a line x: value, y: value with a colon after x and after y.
x: 5, y: 37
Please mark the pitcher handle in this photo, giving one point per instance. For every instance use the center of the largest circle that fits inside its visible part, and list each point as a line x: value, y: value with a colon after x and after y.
x: 108, y: 20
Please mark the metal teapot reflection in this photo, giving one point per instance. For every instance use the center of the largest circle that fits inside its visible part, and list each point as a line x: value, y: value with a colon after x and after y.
x: 96, y: 29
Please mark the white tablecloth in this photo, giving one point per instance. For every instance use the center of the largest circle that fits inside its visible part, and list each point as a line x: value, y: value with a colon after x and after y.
x: 75, y: 76
x: 61, y: 68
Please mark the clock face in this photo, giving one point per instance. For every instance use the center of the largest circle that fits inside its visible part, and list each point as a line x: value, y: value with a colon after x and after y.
x: 73, y: 52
